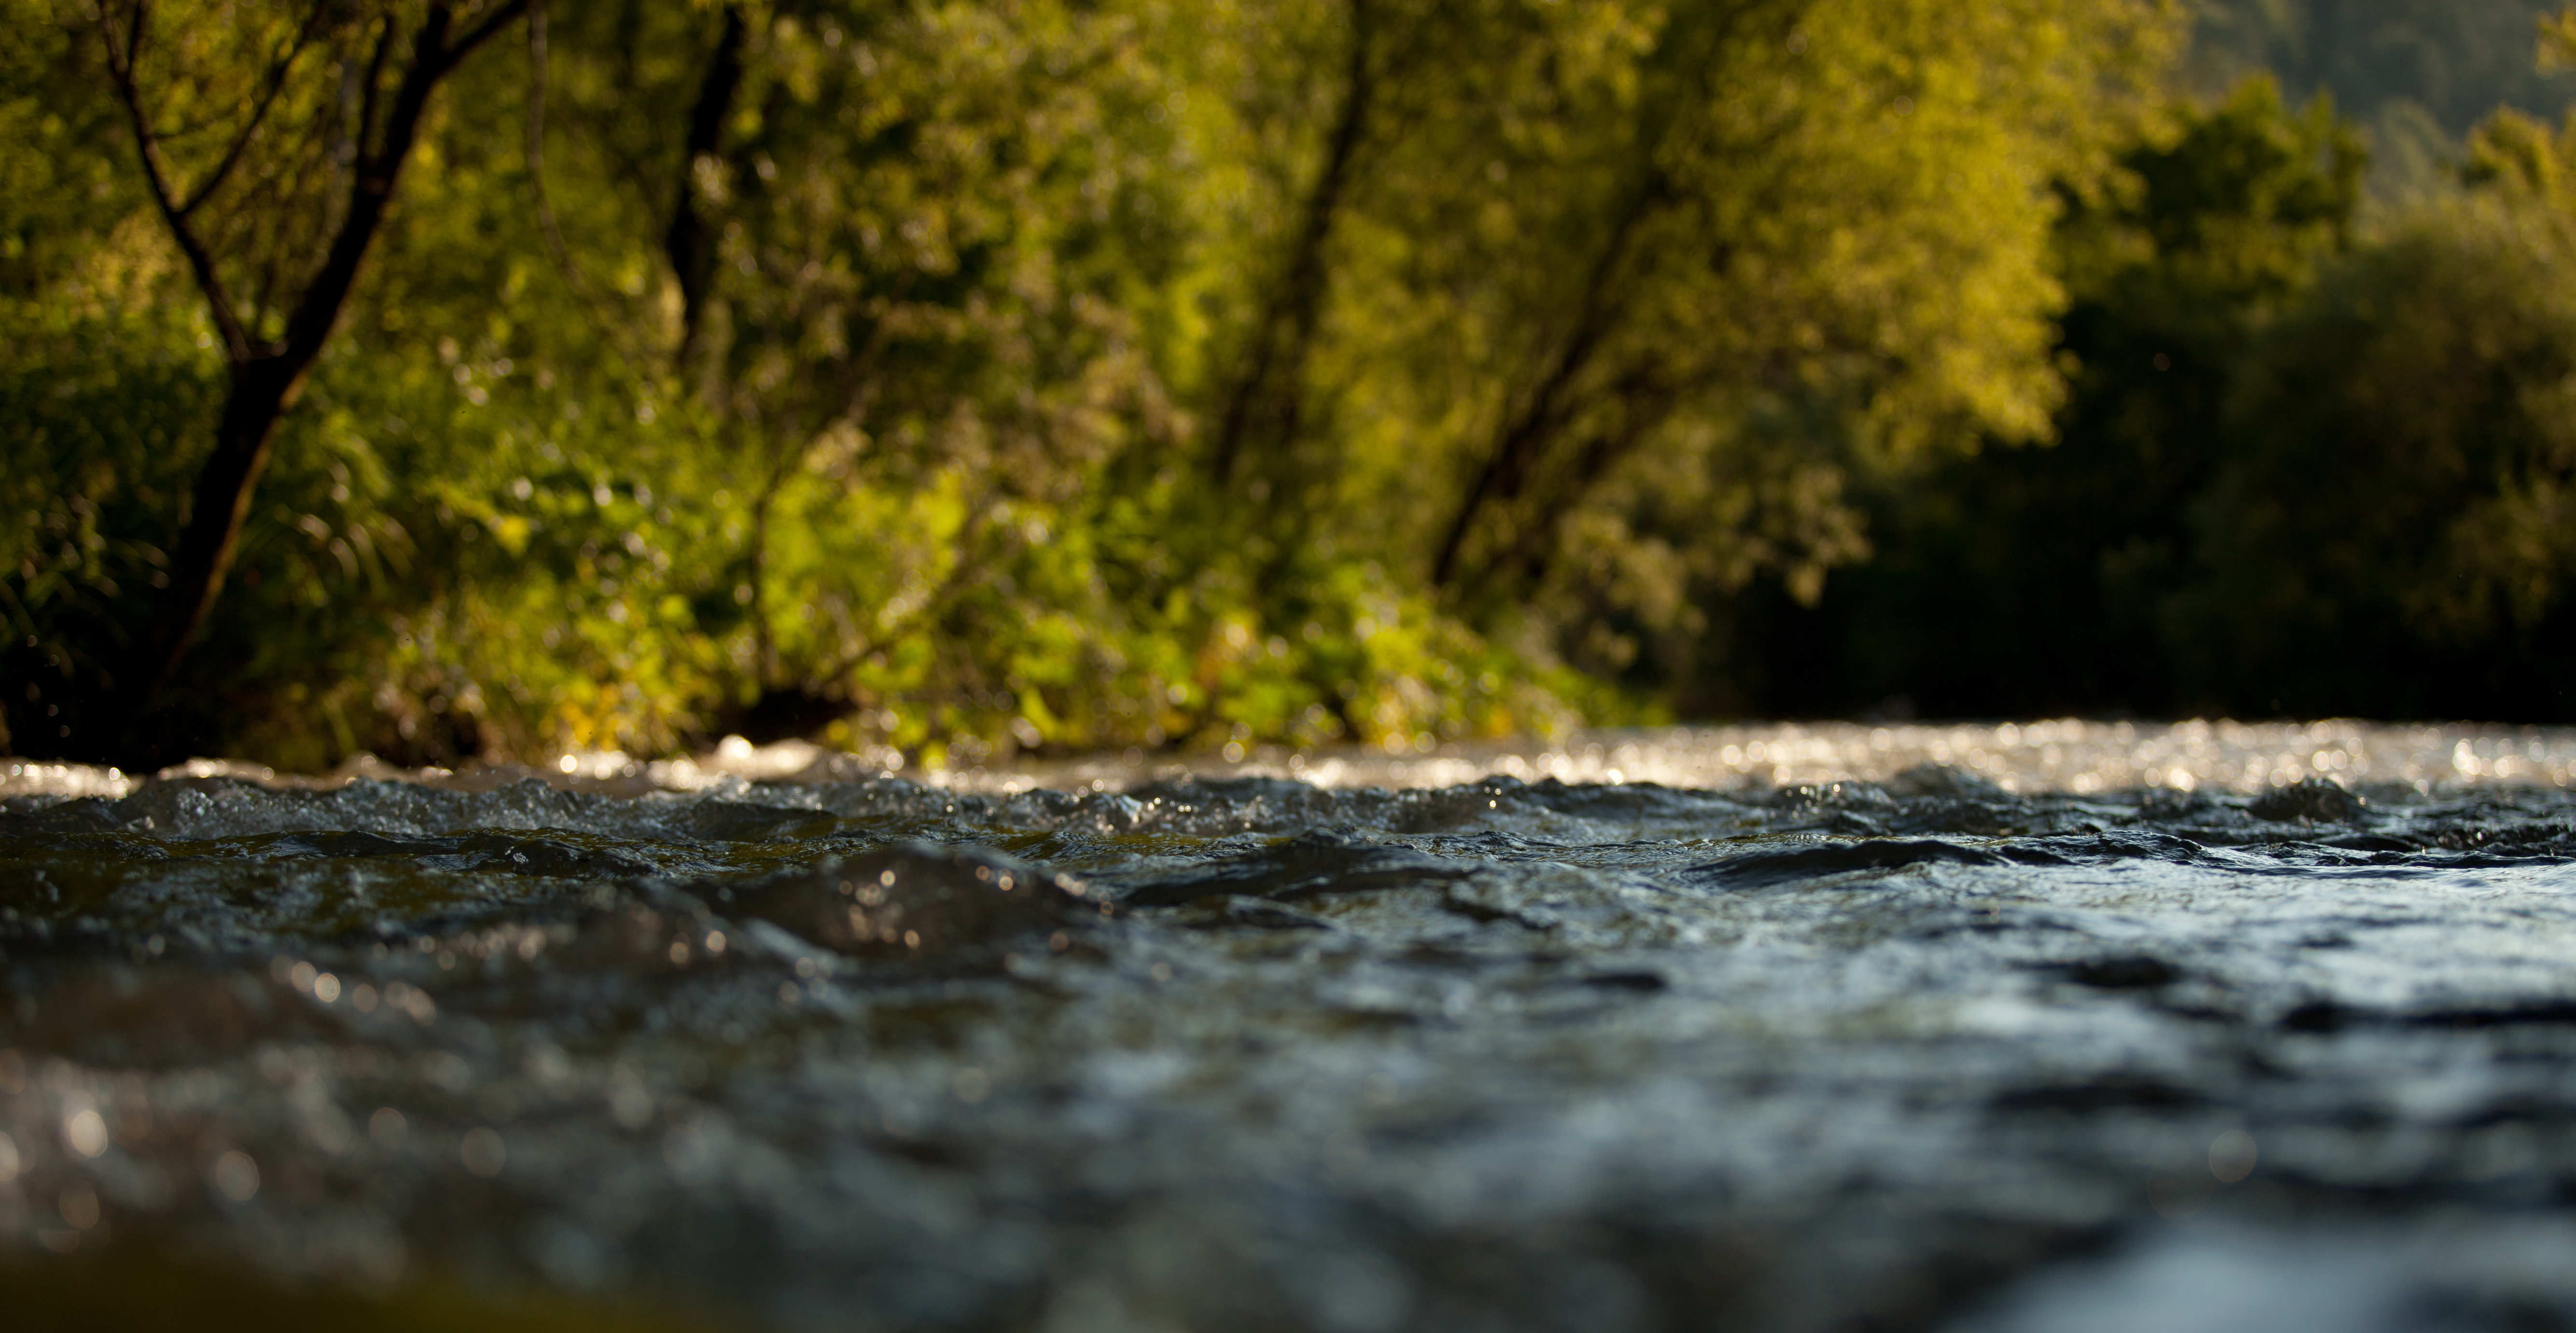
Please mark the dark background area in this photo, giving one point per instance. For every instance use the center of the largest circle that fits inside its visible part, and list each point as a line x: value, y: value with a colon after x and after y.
x: 2283, y: 415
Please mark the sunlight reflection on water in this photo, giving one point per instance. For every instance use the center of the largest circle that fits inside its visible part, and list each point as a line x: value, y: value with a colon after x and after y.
x: 2068, y: 755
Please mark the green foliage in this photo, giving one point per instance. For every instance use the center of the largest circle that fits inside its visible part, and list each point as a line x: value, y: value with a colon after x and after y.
x: 97, y: 461
x: 2406, y: 486
x: 2037, y: 579
x: 978, y: 375
x: 100, y: 391
x: 2300, y: 472
x: 1618, y: 294
x: 2418, y: 75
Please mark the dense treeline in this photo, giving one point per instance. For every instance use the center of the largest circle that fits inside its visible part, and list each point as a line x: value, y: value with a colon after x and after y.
x: 2297, y: 473
x: 2415, y: 76
x: 982, y: 373
x: 454, y: 378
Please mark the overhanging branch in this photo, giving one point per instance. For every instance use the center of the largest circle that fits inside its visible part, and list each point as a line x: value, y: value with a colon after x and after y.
x: 147, y: 145
x: 259, y: 115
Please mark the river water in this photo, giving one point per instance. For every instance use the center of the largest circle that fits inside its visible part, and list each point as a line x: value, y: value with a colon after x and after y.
x: 2041, y: 1026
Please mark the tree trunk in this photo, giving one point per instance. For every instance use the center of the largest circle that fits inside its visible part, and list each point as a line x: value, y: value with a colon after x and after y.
x: 1266, y: 397
x: 1532, y: 432
x: 267, y: 375
x: 690, y: 243
x: 261, y: 392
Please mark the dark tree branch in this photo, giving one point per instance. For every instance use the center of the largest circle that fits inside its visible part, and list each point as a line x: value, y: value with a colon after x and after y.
x: 1555, y: 402
x: 1507, y: 469
x: 267, y: 377
x: 1284, y: 338
x: 690, y: 241
x: 485, y: 31
x: 201, y: 260
x: 259, y: 115
x: 1644, y: 403
x: 370, y: 97
x: 133, y: 33
x: 372, y: 187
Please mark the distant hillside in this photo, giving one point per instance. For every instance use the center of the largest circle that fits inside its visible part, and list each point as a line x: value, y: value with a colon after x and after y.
x: 2417, y: 74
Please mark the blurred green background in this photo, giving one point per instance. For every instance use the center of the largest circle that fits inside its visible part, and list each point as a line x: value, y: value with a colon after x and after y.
x: 979, y: 378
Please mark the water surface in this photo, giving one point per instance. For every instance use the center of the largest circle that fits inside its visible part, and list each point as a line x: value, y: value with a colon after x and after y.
x: 2039, y: 1026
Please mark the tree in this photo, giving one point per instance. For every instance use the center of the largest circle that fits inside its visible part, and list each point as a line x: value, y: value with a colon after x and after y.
x: 2416, y: 76
x: 2395, y: 530
x: 1609, y: 284
x: 294, y: 129
x: 988, y: 373
x: 2016, y: 579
